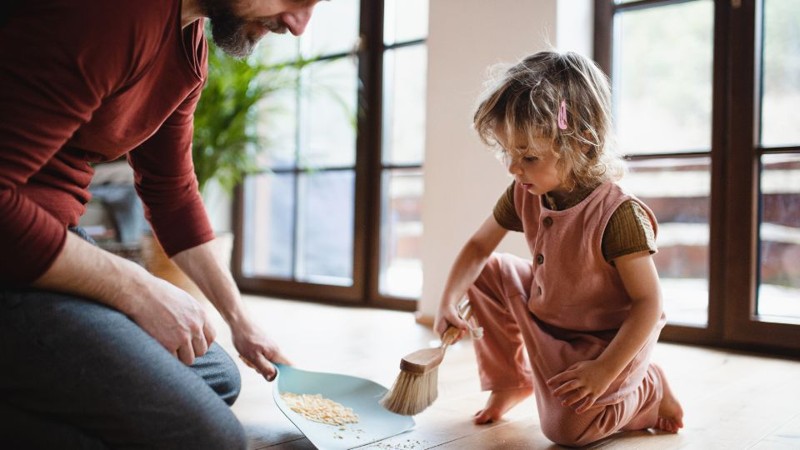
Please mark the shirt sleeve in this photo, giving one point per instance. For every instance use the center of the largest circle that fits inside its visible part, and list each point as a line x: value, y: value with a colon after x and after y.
x: 53, y: 75
x: 504, y: 212
x: 628, y: 231
x: 166, y: 182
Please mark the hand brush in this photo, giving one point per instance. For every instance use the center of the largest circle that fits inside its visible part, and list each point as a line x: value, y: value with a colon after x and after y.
x: 416, y: 387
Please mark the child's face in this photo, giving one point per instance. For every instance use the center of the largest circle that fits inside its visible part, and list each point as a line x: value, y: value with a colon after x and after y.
x: 534, y: 165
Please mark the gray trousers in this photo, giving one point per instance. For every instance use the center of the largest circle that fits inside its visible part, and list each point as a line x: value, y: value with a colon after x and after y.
x: 78, y: 375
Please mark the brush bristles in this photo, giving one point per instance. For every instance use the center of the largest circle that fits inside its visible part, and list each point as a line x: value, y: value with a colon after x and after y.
x: 412, y: 393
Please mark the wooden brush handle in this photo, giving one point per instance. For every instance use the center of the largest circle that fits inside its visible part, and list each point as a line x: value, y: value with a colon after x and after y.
x: 449, y: 336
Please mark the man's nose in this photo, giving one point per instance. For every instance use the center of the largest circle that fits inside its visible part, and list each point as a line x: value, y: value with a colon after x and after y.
x: 298, y: 20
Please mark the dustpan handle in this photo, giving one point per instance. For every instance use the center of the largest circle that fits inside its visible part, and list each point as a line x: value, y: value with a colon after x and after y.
x: 464, y: 310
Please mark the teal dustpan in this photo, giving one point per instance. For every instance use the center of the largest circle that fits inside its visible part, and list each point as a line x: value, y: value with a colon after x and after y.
x: 375, y: 423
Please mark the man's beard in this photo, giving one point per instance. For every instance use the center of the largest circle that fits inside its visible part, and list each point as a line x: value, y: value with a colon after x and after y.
x: 229, y: 31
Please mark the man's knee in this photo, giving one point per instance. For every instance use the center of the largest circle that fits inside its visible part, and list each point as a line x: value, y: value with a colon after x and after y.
x: 229, y: 435
x: 220, y: 372
x: 22, y: 429
x: 213, y: 427
x: 229, y: 388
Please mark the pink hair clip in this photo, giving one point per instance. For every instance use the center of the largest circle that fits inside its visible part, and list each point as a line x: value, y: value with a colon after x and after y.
x: 562, y: 115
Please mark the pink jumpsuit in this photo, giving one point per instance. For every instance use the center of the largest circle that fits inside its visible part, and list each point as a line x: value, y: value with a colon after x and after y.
x: 565, y: 306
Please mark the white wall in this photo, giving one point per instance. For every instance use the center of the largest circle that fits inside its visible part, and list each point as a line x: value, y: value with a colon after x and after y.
x: 462, y: 178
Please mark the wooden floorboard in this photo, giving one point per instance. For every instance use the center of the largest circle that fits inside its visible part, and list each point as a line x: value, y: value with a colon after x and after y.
x: 731, y: 401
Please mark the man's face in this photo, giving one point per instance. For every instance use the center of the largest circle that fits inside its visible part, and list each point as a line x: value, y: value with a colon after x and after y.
x: 237, y: 25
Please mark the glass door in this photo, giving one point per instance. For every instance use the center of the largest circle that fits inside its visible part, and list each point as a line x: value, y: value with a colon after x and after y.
x: 662, y: 82
x: 779, y: 150
x: 766, y: 136
x: 705, y: 97
x: 296, y: 215
x: 333, y: 213
x: 405, y: 60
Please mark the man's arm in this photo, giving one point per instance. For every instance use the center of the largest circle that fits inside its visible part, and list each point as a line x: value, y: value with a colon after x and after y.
x: 57, y: 65
x: 173, y: 317
x: 216, y: 282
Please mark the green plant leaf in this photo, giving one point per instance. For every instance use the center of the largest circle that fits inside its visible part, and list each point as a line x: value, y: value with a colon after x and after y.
x: 226, y: 143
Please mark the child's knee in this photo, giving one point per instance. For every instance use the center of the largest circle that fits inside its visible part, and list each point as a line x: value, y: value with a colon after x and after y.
x: 567, y: 437
x: 569, y: 429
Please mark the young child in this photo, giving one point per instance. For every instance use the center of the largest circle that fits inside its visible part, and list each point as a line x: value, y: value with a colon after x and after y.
x: 576, y: 324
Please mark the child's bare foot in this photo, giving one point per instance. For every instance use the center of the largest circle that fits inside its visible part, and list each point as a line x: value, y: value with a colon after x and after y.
x: 499, y: 402
x: 670, y: 413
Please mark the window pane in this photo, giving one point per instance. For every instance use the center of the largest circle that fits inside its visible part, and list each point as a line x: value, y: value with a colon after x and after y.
x: 779, y: 233
x: 268, y: 225
x: 325, y: 228
x: 405, y: 20
x: 781, y: 74
x: 334, y: 28
x: 401, y: 233
x: 403, y: 105
x: 663, y: 76
x: 277, y: 126
x: 678, y: 190
x: 328, y: 133
x: 278, y: 48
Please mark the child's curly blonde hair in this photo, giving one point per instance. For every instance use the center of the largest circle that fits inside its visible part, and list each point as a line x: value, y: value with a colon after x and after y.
x: 524, y: 103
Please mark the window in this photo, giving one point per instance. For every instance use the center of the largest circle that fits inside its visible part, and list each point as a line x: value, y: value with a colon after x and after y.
x: 665, y: 130
x: 703, y: 95
x: 334, y: 213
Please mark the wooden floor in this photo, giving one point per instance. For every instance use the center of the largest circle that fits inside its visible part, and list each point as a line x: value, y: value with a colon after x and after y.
x: 732, y: 401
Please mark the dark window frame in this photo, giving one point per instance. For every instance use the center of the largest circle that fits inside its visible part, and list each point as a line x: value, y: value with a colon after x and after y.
x: 367, y: 203
x: 735, y: 153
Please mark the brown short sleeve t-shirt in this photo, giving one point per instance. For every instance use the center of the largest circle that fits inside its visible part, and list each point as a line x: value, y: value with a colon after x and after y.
x: 628, y: 231
x: 504, y: 212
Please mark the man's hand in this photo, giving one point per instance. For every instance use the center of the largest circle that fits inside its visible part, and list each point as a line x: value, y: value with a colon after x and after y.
x: 215, y: 281
x: 257, y: 350
x: 173, y: 317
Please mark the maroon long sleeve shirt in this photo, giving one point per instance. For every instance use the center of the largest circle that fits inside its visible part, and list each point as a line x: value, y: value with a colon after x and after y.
x: 83, y: 81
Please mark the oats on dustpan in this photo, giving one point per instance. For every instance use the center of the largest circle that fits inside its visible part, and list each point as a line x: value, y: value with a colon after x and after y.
x: 319, y: 409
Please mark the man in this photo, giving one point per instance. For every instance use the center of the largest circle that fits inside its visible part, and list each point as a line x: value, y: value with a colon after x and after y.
x: 97, y: 352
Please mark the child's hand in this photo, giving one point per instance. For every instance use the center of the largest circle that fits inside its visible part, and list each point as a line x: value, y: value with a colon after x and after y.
x: 582, y: 384
x: 448, y: 316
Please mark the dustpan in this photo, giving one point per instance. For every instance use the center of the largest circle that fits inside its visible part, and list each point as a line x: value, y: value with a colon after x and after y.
x: 375, y: 422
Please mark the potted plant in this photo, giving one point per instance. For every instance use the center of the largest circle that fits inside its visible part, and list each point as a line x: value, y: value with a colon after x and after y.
x: 227, y: 144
